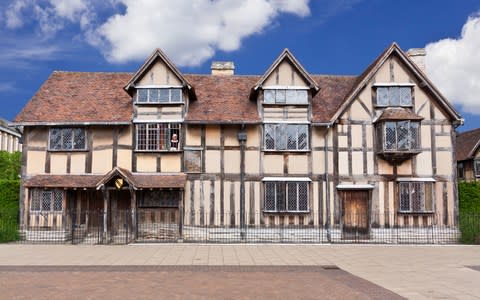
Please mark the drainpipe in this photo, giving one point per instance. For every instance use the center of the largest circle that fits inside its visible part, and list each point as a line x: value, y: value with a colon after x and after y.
x: 327, y: 189
x: 242, y: 138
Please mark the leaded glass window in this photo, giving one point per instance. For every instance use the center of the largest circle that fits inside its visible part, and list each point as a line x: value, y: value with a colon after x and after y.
x: 67, y: 139
x: 289, y: 137
x: 46, y: 200
x: 394, y: 96
x: 159, y: 95
x: 401, y: 136
x: 416, y: 196
x: 289, y: 196
x: 285, y: 96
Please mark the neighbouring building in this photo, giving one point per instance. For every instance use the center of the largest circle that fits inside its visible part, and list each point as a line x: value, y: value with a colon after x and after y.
x: 166, y: 155
x: 468, y: 155
x: 10, y: 137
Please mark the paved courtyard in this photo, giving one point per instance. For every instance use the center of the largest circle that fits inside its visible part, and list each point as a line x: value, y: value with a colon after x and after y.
x: 242, y: 271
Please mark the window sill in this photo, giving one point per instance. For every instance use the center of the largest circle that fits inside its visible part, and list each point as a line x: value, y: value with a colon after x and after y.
x: 286, y: 151
x: 413, y: 213
x: 159, y: 103
x: 388, y: 106
x: 158, y: 151
x: 285, y: 212
x: 72, y: 150
x: 285, y: 104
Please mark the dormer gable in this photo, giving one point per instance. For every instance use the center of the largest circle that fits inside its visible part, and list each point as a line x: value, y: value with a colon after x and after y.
x: 285, y: 73
x: 158, y: 71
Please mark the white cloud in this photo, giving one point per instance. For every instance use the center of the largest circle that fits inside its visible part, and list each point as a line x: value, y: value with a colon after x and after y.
x: 13, y: 18
x: 189, y: 31
x: 70, y: 9
x: 454, y: 66
x: 50, y: 15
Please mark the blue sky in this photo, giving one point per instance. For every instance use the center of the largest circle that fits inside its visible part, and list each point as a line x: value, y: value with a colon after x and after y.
x: 327, y: 36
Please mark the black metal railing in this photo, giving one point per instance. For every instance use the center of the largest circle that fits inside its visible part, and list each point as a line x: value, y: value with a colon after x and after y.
x: 155, y: 225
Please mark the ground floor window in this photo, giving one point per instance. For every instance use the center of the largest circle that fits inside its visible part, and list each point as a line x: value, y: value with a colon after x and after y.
x: 477, y: 168
x: 286, y: 196
x: 416, y: 196
x: 47, y: 200
x: 159, y: 198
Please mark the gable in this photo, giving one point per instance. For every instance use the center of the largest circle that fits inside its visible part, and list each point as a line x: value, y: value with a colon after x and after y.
x: 285, y: 74
x: 158, y: 74
x: 393, y: 67
x: 158, y: 69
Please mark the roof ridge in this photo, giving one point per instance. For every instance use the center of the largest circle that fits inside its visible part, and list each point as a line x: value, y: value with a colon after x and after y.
x: 91, y: 72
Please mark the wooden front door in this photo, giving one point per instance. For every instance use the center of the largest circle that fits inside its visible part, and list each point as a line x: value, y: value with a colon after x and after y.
x: 355, y: 215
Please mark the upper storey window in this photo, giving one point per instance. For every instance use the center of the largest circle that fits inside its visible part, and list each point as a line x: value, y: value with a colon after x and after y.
x: 159, y: 95
x: 67, y: 139
x: 394, y: 96
x: 285, y: 96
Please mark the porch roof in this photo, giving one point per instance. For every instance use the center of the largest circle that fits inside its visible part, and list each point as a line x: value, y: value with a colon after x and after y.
x: 138, y: 181
x: 63, y: 181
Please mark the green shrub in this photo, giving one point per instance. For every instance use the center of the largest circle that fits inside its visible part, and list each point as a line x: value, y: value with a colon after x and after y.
x: 8, y: 225
x: 469, y: 205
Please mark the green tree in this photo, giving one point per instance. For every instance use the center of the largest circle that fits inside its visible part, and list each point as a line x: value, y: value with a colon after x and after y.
x: 10, y: 164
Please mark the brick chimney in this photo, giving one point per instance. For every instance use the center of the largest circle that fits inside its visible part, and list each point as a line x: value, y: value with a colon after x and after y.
x: 223, y: 68
x: 418, y: 57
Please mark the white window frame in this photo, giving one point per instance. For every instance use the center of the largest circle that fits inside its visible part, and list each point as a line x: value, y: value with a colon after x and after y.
x: 37, y: 198
x: 410, y: 184
x: 278, y: 126
x: 170, y: 128
x: 150, y: 92
x: 389, y: 88
x: 73, y: 142
x: 286, y: 185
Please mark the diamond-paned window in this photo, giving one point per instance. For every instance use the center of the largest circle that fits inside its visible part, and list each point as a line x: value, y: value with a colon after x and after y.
x: 67, y: 139
x: 158, y: 136
x: 416, y: 196
x: 286, y: 137
x: 401, y: 136
x: 46, y: 200
x: 289, y: 196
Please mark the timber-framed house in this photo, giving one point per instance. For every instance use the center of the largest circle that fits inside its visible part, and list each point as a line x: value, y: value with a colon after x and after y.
x: 353, y: 155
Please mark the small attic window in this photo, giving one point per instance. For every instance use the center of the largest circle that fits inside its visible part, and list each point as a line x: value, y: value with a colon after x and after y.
x: 285, y: 96
x: 159, y: 95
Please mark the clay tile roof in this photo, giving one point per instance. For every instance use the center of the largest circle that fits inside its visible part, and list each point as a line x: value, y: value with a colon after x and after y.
x: 333, y: 90
x: 398, y: 113
x: 160, y: 180
x: 467, y: 143
x: 222, y: 99
x: 69, y: 97
x: 63, y: 181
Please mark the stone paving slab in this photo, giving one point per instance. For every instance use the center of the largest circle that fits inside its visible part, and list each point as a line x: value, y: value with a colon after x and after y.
x: 416, y: 272
x: 186, y: 282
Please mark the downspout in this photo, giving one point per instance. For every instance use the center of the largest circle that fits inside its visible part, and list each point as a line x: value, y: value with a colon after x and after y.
x: 327, y: 188
x: 242, y: 138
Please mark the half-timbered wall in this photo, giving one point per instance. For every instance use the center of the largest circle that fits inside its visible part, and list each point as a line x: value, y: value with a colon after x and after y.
x: 357, y: 163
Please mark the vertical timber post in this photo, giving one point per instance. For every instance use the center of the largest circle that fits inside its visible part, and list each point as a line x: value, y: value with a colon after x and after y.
x: 105, y: 211
x: 242, y: 138
x: 133, y: 205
